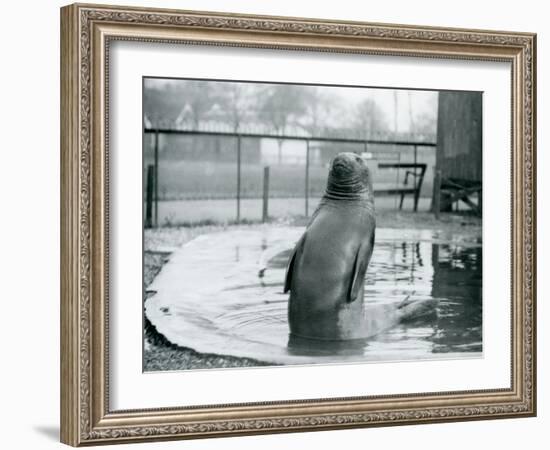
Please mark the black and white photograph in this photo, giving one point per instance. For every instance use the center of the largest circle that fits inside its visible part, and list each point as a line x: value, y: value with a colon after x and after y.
x: 295, y: 224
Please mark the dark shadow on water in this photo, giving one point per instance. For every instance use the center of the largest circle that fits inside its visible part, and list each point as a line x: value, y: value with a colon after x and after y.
x: 49, y: 431
x: 458, y: 282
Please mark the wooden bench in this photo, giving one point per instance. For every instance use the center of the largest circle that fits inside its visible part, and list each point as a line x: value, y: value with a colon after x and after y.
x: 411, y: 170
x: 453, y: 190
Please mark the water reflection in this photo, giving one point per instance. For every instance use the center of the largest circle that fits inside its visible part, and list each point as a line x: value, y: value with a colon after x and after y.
x: 225, y: 296
x: 450, y: 323
x: 457, y: 281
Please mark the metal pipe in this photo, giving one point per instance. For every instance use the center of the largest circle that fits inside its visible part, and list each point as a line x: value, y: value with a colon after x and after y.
x: 238, y: 178
x: 297, y: 138
x: 265, y: 211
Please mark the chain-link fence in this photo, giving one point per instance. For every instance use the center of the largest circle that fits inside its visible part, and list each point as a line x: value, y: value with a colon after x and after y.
x: 201, y: 178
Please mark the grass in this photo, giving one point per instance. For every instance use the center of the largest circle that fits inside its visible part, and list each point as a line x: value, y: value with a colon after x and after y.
x: 205, y: 180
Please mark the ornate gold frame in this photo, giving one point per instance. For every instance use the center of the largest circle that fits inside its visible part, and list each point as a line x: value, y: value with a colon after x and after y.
x: 86, y: 31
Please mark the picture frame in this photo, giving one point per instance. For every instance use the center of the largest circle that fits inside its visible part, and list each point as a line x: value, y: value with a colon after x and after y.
x: 87, y: 32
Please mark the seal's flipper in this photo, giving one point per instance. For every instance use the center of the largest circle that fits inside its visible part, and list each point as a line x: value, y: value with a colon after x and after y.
x: 291, y: 261
x: 362, y: 260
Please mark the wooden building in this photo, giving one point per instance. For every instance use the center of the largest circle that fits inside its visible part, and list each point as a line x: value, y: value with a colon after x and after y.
x: 459, y: 151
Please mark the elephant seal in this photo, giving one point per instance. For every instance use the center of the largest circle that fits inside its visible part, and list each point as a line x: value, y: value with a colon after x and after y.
x: 326, y: 271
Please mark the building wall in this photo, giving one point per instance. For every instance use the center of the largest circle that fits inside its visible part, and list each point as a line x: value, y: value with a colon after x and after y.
x: 459, y: 135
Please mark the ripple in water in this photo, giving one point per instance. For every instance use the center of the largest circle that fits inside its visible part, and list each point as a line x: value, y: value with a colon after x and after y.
x: 223, y: 293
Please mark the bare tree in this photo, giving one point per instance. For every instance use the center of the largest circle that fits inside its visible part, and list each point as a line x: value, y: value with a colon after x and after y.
x: 280, y: 106
x: 198, y: 95
x: 369, y: 119
x: 164, y: 100
x: 155, y: 107
x: 322, y: 111
x: 237, y: 103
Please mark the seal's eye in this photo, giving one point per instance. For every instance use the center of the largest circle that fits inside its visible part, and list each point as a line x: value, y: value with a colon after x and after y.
x: 358, y: 159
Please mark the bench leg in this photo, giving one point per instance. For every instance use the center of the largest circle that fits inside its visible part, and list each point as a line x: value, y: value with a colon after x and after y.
x: 416, y: 196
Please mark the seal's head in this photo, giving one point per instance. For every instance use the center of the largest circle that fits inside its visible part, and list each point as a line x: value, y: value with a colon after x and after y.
x: 349, y: 177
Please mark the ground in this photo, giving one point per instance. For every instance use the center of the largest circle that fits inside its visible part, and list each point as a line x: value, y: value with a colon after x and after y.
x: 160, y: 354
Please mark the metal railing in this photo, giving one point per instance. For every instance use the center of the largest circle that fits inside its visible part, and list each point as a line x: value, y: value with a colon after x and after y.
x: 152, y: 192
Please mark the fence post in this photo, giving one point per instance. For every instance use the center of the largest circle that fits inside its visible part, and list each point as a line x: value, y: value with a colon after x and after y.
x: 238, y: 178
x: 437, y: 193
x: 149, y: 196
x: 307, y: 178
x: 156, y: 178
x: 265, y: 214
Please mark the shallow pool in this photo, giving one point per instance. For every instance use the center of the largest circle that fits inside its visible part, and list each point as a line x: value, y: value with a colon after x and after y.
x: 222, y: 293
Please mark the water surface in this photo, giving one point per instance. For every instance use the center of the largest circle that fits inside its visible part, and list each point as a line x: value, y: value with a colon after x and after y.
x: 222, y: 293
